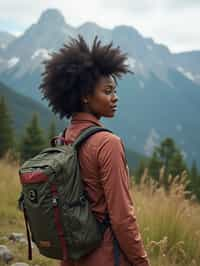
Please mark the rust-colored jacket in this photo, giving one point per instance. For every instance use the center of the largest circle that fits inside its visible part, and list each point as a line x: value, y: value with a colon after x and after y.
x: 105, y: 174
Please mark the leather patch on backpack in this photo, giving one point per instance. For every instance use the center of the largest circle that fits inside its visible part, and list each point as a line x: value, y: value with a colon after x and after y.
x: 45, y: 244
x: 32, y: 195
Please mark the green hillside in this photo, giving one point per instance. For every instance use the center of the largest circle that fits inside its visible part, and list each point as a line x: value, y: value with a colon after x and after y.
x: 22, y: 108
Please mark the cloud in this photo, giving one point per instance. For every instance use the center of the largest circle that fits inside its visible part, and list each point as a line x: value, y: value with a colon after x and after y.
x: 149, y: 6
x: 178, y: 29
x: 129, y: 6
x: 180, y: 4
x: 21, y: 11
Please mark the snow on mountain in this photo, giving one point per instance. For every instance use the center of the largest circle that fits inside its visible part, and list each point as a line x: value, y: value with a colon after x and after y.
x: 131, y: 62
x: 13, y: 61
x: 187, y: 74
x: 42, y: 53
x: 3, y: 45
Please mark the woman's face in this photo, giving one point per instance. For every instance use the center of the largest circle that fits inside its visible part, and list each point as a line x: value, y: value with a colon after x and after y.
x: 103, y: 102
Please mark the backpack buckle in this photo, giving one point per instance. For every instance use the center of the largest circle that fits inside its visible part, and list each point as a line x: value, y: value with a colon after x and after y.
x: 21, y: 202
x: 82, y: 200
x: 55, y: 201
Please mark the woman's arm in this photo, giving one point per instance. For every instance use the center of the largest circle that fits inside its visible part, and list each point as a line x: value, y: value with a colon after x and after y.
x: 115, y: 182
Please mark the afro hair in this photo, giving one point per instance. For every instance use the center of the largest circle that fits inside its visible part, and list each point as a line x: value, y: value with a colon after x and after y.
x: 74, y: 70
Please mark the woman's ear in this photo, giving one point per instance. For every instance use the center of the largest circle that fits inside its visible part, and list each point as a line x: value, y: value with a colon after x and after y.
x: 85, y: 101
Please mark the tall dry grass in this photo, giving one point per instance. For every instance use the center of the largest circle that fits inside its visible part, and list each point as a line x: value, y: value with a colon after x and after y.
x: 9, y: 191
x: 170, y: 224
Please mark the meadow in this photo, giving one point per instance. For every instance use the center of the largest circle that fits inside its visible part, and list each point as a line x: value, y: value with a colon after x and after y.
x: 169, y: 223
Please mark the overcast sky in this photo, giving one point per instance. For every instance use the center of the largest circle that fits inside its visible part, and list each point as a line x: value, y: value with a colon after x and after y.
x: 174, y: 23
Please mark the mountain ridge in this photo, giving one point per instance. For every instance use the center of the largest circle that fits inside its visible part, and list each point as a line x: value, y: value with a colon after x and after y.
x: 163, y: 95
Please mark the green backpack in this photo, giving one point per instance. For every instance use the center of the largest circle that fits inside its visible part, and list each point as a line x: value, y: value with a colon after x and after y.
x: 56, y: 207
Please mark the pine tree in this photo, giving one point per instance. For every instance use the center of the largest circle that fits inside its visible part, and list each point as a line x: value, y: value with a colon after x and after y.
x: 33, y: 140
x: 52, y: 130
x: 194, y: 185
x: 6, y: 130
x: 197, y: 190
x: 176, y: 164
x: 155, y: 165
x: 166, y: 152
x: 166, y: 155
x: 194, y: 172
x: 139, y: 171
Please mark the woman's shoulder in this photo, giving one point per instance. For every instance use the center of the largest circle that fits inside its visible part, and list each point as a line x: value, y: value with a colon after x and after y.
x: 106, y: 139
x: 106, y: 136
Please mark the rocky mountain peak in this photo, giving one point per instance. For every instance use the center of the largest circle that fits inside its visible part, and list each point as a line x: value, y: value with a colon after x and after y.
x: 129, y: 30
x: 89, y: 25
x: 52, y: 16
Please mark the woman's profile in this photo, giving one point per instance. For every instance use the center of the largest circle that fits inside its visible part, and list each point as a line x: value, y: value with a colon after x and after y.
x: 79, y: 83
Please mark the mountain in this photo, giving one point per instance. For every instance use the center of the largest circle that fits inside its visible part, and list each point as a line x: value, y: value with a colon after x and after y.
x: 5, y: 39
x: 22, y: 108
x: 161, y: 100
x: 188, y: 64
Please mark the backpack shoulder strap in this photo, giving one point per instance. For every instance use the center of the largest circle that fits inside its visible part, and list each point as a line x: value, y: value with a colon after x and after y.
x: 87, y: 133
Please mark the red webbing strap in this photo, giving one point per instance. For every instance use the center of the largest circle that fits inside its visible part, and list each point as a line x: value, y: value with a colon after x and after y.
x: 28, y: 235
x: 59, y: 225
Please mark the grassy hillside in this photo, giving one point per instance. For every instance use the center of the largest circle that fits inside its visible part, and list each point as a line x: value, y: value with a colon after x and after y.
x: 169, y: 224
x: 22, y: 107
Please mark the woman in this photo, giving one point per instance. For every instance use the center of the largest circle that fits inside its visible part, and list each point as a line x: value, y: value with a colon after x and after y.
x: 80, y: 83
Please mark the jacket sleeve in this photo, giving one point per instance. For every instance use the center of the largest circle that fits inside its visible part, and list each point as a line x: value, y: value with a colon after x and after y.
x: 115, y: 181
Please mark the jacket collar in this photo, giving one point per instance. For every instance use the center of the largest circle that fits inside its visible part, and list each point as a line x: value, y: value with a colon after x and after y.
x: 85, y: 117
